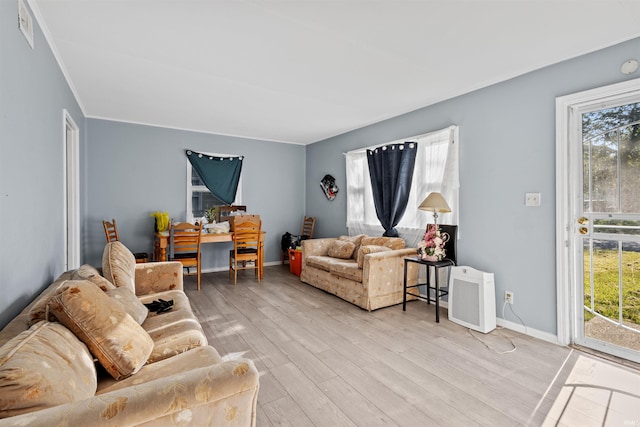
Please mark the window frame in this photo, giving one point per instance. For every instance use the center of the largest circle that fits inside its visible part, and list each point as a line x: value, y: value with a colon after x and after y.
x: 412, y: 226
x: 203, y: 188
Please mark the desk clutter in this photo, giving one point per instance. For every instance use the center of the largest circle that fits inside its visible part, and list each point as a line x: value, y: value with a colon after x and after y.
x: 221, y: 219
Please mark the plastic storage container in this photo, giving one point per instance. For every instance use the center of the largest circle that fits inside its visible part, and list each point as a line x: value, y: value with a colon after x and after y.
x: 295, y: 261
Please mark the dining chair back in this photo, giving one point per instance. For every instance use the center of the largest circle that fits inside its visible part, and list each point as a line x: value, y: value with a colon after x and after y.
x: 111, y: 233
x: 247, y: 246
x: 110, y: 230
x: 308, y: 224
x: 185, y: 246
x: 307, y: 227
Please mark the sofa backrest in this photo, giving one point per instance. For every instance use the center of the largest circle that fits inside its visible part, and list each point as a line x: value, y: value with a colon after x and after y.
x: 390, y: 242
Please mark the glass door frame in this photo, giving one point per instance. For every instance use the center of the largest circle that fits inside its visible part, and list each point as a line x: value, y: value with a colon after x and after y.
x: 569, y: 194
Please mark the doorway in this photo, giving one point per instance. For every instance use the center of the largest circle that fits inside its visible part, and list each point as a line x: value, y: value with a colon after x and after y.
x: 598, y: 155
x: 71, y: 140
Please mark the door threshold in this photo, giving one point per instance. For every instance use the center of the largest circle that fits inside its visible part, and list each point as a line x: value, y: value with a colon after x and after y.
x: 609, y: 357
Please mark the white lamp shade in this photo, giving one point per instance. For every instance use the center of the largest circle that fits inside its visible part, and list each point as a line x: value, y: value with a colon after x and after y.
x: 434, y: 203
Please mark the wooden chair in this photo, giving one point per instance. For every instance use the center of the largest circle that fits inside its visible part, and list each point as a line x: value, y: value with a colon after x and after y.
x: 110, y: 230
x: 308, y: 223
x: 307, y: 226
x: 185, y: 246
x: 111, y: 233
x: 247, y: 246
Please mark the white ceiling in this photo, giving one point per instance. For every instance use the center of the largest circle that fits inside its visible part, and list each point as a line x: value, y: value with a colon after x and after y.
x: 305, y: 70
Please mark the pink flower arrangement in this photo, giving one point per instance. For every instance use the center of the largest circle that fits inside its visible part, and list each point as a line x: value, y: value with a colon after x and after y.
x: 431, y: 248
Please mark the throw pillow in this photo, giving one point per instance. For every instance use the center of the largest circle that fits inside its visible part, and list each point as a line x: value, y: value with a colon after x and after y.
x: 341, y: 249
x: 113, y: 337
x: 369, y: 249
x: 42, y: 367
x: 39, y: 309
x: 90, y: 273
x: 357, y: 240
x: 119, y: 265
x: 129, y: 303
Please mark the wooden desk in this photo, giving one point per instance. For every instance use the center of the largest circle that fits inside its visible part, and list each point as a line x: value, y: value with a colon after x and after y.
x: 162, y: 243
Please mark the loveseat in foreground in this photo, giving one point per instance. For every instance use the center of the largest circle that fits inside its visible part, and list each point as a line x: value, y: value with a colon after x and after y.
x: 86, y: 351
x: 366, y: 271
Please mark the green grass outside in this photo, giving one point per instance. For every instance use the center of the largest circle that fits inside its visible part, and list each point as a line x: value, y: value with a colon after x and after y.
x: 606, y: 277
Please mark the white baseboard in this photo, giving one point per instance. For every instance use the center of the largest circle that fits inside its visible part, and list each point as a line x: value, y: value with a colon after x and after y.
x: 218, y: 269
x: 544, y: 336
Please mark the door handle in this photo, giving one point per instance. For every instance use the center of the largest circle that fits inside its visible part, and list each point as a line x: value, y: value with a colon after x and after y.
x: 583, y: 220
x: 583, y: 230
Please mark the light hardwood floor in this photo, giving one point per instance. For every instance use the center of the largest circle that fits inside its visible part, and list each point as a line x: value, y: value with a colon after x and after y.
x: 325, y: 362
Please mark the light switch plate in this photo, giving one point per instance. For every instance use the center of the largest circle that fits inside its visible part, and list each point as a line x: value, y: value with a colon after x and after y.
x: 532, y: 199
x: 25, y: 22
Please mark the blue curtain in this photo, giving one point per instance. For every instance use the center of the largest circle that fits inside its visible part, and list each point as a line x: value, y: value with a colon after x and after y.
x: 219, y: 174
x: 391, y: 172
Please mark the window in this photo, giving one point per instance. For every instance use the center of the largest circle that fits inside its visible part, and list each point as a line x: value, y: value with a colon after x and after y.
x: 436, y: 169
x: 199, y: 198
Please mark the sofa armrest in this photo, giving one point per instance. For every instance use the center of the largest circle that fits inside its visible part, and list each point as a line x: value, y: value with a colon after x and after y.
x: 383, y: 272
x: 153, y: 277
x: 219, y: 394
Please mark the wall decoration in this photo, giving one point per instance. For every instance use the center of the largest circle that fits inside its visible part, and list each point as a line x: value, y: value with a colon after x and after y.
x: 328, y: 185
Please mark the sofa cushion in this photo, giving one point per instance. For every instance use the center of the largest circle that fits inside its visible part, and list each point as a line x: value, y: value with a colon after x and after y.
x: 341, y: 249
x: 129, y: 303
x: 90, y: 273
x: 113, y: 337
x: 322, y: 262
x: 390, y: 242
x: 39, y: 309
x: 44, y: 366
x: 347, y: 269
x: 182, y: 363
x: 356, y: 241
x: 369, y: 249
x: 174, y: 331
x: 119, y: 265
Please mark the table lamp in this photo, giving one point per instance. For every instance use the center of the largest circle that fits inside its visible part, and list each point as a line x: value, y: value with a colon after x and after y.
x: 435, y: 203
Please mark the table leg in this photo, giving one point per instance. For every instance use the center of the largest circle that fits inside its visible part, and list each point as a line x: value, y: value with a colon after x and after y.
x: 404, y: 290
x: 428, y: 284
x: 437, y: 296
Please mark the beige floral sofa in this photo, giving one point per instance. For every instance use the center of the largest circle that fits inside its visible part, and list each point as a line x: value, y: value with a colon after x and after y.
x: 366, y: 271
x: 87, y: 351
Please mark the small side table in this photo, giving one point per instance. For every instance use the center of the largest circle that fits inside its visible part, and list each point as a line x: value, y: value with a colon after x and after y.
x: 438, y: 292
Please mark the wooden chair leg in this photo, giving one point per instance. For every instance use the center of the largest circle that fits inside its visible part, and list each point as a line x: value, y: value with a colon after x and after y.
x: 198, y: 273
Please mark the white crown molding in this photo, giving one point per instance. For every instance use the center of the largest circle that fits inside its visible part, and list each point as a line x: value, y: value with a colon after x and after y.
x: 49, y: 38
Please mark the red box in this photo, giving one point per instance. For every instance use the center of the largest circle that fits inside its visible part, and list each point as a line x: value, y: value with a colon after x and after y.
x: 295, y: 261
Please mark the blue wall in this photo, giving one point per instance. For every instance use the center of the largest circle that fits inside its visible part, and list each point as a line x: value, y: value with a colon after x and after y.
x: 33, y: 94
x: 507, y: 148
x: 135, y: 170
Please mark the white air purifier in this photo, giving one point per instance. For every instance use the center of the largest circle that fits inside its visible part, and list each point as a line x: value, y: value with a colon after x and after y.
x: 472, y: 299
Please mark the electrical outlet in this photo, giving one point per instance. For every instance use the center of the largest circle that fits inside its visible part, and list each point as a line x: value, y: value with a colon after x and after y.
x: 508, y: 297
x: 532, y: 199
